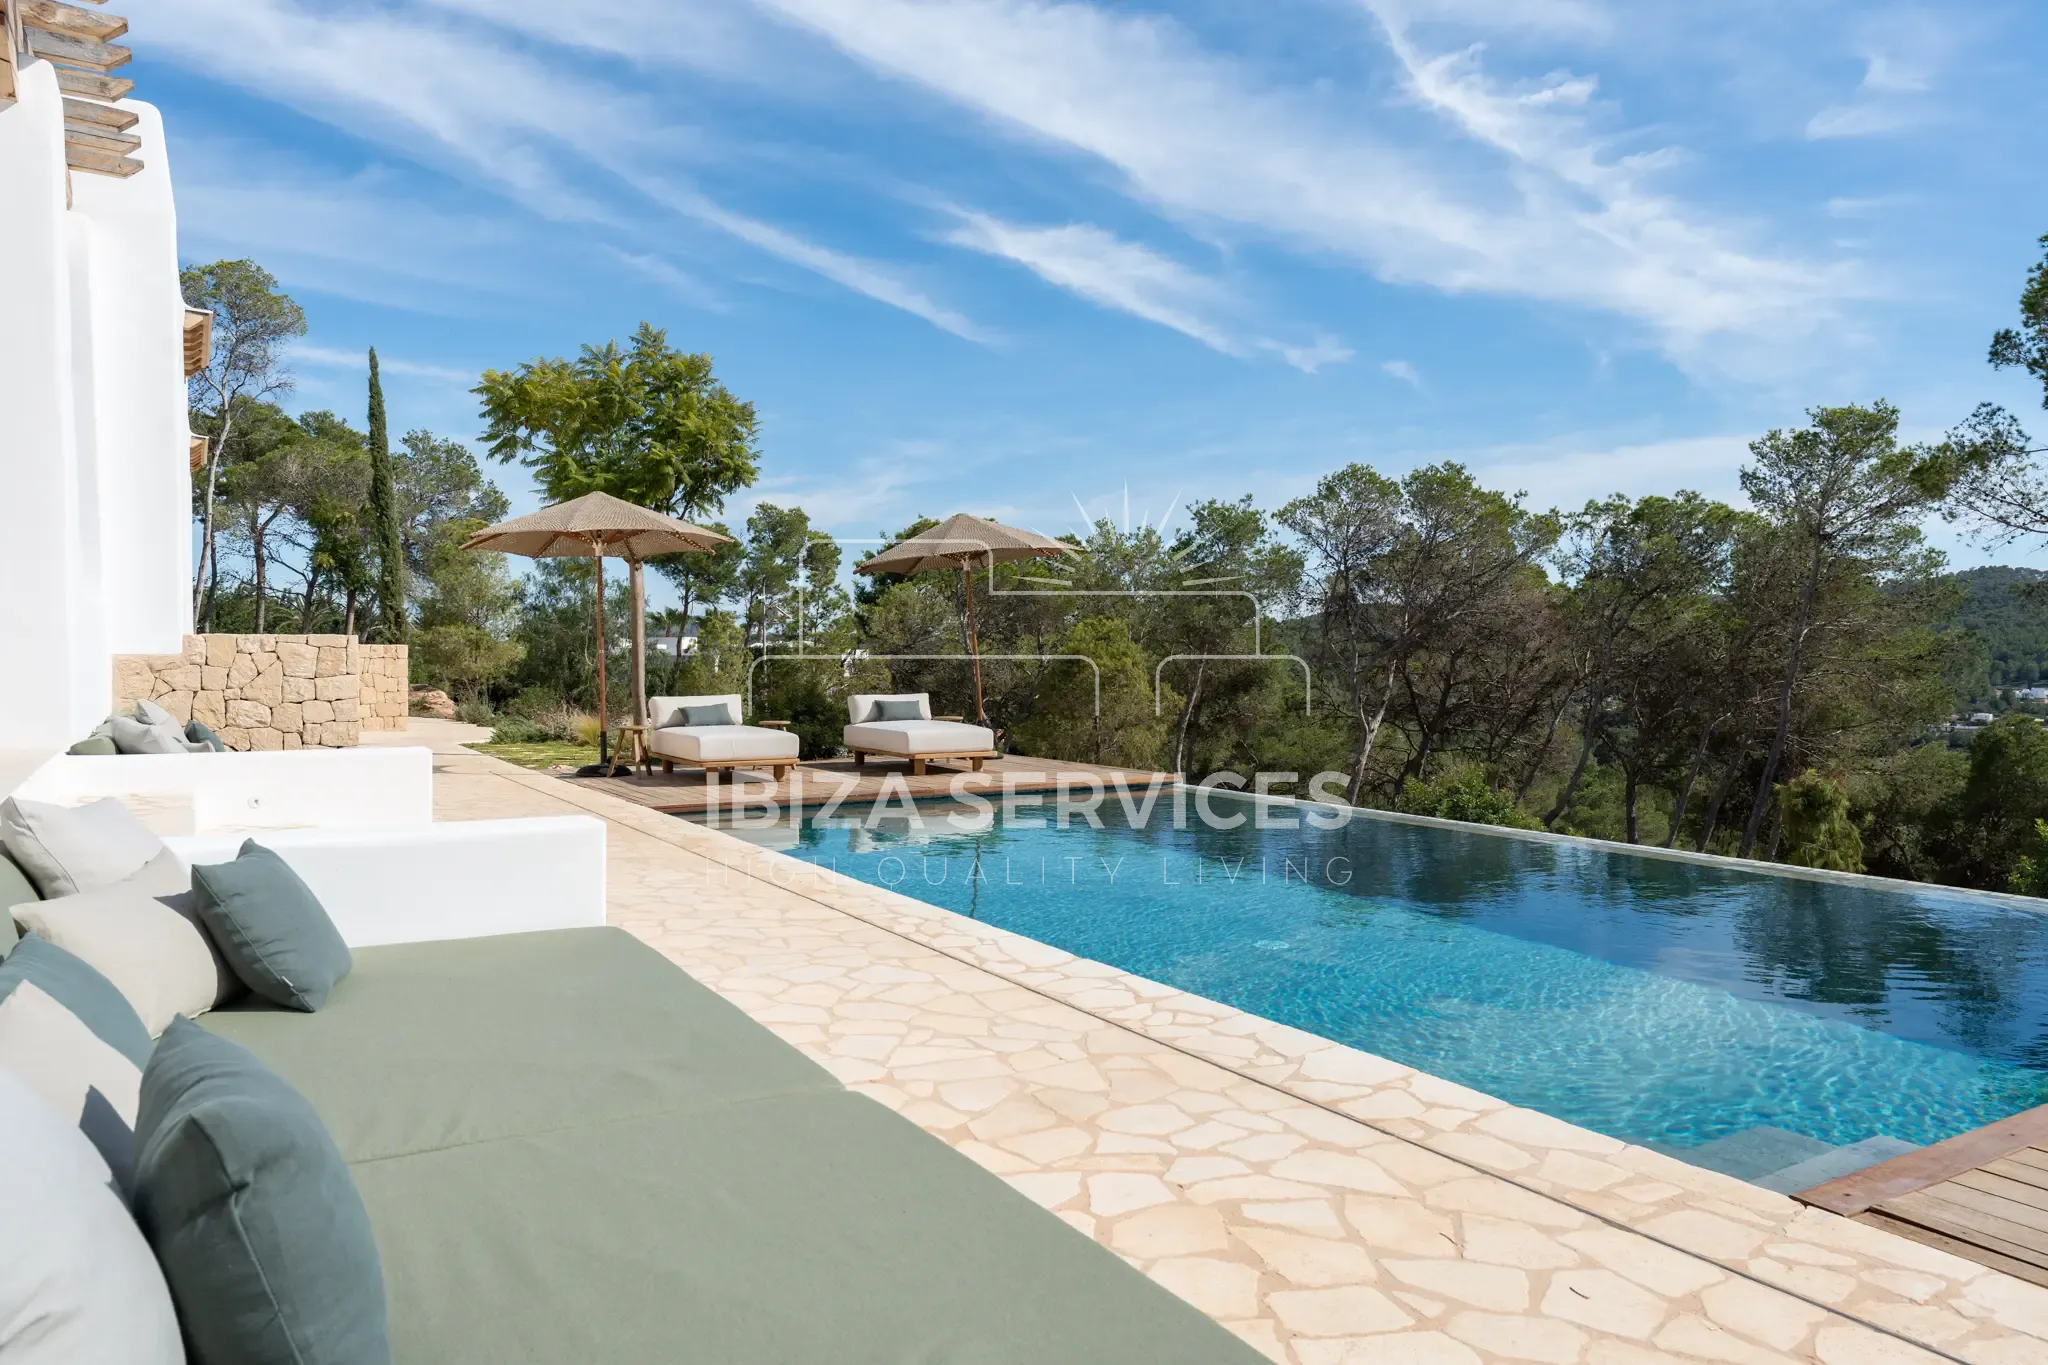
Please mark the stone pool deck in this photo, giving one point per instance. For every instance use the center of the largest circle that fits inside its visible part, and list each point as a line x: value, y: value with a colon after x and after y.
x: 1327, y: 1205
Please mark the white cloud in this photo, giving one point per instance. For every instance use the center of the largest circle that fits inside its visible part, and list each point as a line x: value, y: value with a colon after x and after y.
x: 1568, y: 474
x: 1859, y: 120
x: 1401, y: 370
x: 1902, y: 52
x: 1324, y: 350
x: 666, y: 273
x: 1867, y: 206
x: 329, y: 357
x: 1543, y: 212
x: 553, y: 142
x: 1098, y: 266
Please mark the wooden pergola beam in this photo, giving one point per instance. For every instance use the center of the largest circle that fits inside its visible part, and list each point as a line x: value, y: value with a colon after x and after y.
x: 92, y: 85
x: 65, y: 50
x: 101, y: 115
x: 99, y: 163
x: 50, y: 16
x: 92, y: 137
x: 198, y: 340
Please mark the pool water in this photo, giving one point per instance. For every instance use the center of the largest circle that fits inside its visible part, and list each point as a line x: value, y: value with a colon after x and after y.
x: 1657, y: 1001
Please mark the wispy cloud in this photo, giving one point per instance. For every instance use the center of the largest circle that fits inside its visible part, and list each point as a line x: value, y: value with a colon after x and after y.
x: 1098, y: 266
x: 1902, y: 53
x: 329, y: 357
x: 556, y: 143
x: 674, y: 278
x: 1545, y: 213
x: 1403, y: 371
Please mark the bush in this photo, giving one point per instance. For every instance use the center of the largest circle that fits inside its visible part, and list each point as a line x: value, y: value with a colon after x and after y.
x: 1818, y: 830
x: 556, y: 725
x: 476, y: 711
x: 1463, y: 794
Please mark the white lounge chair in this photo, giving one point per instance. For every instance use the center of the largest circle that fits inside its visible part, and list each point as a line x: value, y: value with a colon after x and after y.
x: 672, y: 738
x: 894, y: 731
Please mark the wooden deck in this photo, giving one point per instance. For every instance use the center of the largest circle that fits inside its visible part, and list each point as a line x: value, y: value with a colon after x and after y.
x: 1982, y: 1195
x: 691, y: 792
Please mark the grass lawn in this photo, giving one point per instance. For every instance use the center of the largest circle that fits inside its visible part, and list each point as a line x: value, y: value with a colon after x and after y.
x: 542, y: 755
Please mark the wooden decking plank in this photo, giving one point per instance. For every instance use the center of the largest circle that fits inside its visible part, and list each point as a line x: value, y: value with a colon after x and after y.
x: 2023, y: 1183
x: 2033, y: 1157
x: 1969, y: 1251
x: 1975, y: 1214
x: 1874, y: 1185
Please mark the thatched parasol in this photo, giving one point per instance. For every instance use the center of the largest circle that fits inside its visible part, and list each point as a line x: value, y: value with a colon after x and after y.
x: 596, y: 524
x: 965, y: 543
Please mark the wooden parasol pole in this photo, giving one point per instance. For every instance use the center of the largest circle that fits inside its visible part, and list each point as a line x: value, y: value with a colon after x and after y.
x: 973, y: 642
x: 604, y: 759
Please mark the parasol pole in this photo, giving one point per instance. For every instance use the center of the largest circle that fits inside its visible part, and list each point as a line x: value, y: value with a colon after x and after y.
x: 974, y: 640
x: 603, y: 737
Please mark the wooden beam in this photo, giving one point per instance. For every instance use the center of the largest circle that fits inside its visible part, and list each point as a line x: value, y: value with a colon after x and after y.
x: 105, y: 115
x: 68, y: 51
x: 93, y: 86
x: 197, y: 453
x: 98, y: 139
x: 1873, y: 1185
x: 198, y: 340
x: 52, y: 17
x: 99, y: 163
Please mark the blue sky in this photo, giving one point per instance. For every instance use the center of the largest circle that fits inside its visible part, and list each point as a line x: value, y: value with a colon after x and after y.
x: 1021, y: 258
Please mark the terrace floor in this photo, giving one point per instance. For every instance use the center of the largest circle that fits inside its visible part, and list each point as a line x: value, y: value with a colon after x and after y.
x: 1327, y: 1205
x: 690, y: 791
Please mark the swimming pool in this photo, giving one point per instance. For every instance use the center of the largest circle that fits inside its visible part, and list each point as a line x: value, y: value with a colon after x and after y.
x: 1662, y: 1002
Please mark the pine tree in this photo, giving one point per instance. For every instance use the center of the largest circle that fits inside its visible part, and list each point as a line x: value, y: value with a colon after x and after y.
x: 391, y: 617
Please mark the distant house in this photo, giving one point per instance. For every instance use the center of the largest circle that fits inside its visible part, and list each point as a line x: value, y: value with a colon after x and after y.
x: 1981, y: 718
x: 2031, y: 694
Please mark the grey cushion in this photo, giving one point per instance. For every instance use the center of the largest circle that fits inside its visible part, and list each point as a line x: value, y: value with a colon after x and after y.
x: 71, y: 1036
x: 892, y: 709
x: 15, y: 889
x: 149, y: 713
x: 271, y: 928
x: 157, y: 958
x: 718, y: 713
x: 77, y: 1282
x: 68, y: 849
x: 94, y: 746
x: 252, y: 1213
x: 134, y: 737
x: 200, y: 733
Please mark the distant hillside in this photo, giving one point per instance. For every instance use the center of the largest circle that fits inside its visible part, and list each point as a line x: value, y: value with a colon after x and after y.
x: 2013, y: 627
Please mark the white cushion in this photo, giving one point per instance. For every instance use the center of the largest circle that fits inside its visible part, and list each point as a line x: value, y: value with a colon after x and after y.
x: 77, y: 1281
x: 156, y: 957
x: 661, y: 711
x: 861, y: 705
x: 912, y: 737
x: 723, y: 743
x: 57, y: 1055
x: 68, y: 849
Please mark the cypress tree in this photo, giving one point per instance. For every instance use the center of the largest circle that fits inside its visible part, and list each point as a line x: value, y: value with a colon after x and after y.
x: 390, y: 550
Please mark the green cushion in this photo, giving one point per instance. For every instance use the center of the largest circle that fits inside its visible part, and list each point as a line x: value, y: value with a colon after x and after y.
x: 252, y: 1213
x: 15, y: 889
x: 430, y: 1044
x: 270, y: 928
x: 78, y: 988
x: 200, y: 733
x: 717, y: 713
x: 891, y: 709
x: 800, y: 1228
x: 94, y: 746
x: 570, y: 1150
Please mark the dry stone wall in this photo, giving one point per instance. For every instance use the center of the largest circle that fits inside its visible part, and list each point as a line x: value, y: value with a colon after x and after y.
x: 272, y: 691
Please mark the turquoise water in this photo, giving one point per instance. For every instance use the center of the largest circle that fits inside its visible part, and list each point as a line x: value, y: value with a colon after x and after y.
x: 1652, y: 1000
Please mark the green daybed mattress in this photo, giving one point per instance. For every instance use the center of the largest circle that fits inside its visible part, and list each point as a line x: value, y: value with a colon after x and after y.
x: 572, y: 1151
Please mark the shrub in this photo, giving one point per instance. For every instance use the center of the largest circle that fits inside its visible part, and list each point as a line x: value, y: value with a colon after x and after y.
x: 476, y: 711
x: 1463, y: 794
x: 557, y: 725
x: 1818, y: 830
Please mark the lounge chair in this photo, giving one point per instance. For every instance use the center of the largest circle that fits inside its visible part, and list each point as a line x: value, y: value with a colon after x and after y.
x: 689, y: 730
x: 900, y: 725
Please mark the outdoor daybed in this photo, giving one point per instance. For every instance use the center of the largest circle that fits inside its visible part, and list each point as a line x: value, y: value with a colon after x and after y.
x: 705, y: 732
x: 572, y: 1151
x: 569, y: 1150
x: 901, y: 726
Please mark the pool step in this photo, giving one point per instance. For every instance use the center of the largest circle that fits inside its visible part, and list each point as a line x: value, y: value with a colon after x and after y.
x: 1834, y: 1163
x: 1785, y: 1161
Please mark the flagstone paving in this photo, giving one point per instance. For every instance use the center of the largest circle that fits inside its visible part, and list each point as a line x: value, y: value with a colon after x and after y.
x: 1327, y: 1205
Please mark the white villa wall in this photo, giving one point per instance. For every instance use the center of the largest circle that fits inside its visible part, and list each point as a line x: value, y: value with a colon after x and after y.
x: 137, y: 404
x: 96, y: 555
x: 44, y: 701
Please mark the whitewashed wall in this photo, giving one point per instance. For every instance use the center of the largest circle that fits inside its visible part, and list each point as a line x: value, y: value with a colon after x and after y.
x: 95, y: 557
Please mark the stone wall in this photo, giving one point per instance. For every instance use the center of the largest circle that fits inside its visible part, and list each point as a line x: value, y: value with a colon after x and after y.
x: 386, y: 686
x: 271, y: 691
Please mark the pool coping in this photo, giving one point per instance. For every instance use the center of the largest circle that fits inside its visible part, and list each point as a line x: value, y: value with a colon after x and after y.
x: 1764, y: 1237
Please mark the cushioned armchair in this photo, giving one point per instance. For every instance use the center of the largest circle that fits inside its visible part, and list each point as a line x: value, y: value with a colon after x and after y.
x: 902, y: 726
x: 705, y: 732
